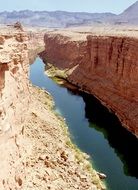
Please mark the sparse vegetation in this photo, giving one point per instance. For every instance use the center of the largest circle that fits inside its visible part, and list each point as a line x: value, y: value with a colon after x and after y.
x: 54, y: 72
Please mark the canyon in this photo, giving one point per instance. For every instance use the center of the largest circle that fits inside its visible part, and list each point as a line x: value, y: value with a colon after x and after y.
x: 99, y: 61
x: 36, y: 151
x: 94, y: 55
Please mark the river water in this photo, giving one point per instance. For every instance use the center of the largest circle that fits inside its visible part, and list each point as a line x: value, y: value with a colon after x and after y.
x: 95, y: 131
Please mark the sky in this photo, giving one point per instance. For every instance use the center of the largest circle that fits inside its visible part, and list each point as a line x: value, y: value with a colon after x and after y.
x: 114, y: 6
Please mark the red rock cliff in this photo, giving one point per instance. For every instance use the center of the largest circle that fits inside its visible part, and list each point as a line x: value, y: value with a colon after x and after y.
x: 105, y: 66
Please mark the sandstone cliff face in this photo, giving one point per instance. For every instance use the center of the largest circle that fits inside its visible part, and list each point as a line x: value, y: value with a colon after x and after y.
x: 13, y: 66
x: 14, y: 94
x: 105, y: 66
x: 35, y: 45
x: 15, y: 47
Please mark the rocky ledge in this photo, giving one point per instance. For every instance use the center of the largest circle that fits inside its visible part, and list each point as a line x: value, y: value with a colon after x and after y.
x: 36, y: 152
x: 102, y: 62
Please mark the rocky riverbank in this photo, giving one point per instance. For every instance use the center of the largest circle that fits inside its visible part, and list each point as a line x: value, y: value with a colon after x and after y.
x: 54, y: 162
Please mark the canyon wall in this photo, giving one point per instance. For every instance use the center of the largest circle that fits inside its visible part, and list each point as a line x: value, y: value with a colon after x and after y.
x: 103, y: 65
x: 36, y: 152
x: 35, y: 45
x: 14, y: 103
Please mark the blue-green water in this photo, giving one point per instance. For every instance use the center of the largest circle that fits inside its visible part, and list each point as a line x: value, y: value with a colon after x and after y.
x: 95, y: 131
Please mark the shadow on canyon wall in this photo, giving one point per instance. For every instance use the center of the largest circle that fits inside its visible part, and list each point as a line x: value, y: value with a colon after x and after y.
x: 124, y: 143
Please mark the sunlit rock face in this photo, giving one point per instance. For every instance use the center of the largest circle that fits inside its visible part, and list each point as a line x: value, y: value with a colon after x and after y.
x: 100, y: 64
x: 17, y: 50
x: 14, y: 101
x: 13, y: 79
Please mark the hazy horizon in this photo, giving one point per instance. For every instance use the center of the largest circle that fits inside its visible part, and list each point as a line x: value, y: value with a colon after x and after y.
x: 90, y: 6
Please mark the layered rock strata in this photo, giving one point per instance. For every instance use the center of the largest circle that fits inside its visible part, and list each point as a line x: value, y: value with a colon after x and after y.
x: 36, y: 152
x: 103, y: 65
x: 35, y: 45
x: 14, y: 94
x: 14, y: 103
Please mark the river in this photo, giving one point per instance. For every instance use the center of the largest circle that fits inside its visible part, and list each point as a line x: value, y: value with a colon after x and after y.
x: 94, y: 130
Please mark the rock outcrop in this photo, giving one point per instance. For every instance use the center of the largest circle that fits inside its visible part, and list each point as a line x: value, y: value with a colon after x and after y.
x: 100, y: 64
x: 35, y: 45
x: 14, y: 103
x: 14, y: 94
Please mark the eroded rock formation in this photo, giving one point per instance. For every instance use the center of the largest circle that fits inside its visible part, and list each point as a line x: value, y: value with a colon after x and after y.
x: 35, y: 45
x: 14, y: 103
x: 100, y: 64
x: 14, y: 94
